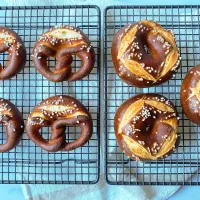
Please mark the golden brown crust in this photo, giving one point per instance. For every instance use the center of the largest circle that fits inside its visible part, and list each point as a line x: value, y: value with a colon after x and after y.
x: 60, y: 43
x: 12, y: 119
x: 146, y: 127
x: 59, y: 112
x: 134, y: 65
x: 13, y: 44
x: 190, y: 95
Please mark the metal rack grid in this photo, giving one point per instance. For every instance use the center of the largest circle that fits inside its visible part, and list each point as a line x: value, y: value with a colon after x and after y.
x: 179, y: 167
x: 28, y: 163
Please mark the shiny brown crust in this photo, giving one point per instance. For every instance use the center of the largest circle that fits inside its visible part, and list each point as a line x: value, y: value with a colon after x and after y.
x: 134, y: 65
x: 146, y: 127
x: 60, y: 43
x: 190, y: 95
x: 59, y: 112
x: 13, y: 44
x: 12, y: 119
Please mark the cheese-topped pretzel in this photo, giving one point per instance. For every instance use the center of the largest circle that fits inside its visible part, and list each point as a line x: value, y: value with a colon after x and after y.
x: 12, y: 119
x: 145, y: 54
x: 13, y: 44
x: 146, y: 127
x: 190, y: 94
x: 59, y: 112
x: 60, y: 43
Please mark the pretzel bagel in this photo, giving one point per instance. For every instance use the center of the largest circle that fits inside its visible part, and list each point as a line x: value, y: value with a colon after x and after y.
x: 190, y: 95
x: 144, y: 54
x: 60, y: 43
x: 12, y: 119
x: 146, y: 127
x: 13, y: 44
x: 59, y: 112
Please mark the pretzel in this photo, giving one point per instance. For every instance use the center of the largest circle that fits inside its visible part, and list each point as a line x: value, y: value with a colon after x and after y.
x: 13, y: 44
x: 146, y: 127
x: 12, y: 119
x: 144, y: 54
x: 190, y: 95
x: 59, y: 112
x: 60, y: 43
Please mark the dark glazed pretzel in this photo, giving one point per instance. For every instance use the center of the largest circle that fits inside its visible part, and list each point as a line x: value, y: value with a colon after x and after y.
x: 59, y: 112
x: 13, y: 44
x: 12, y: 119
x: 144, y: 54
x: 146, y: 127
x: 190, y: 94
x: 61, y: 43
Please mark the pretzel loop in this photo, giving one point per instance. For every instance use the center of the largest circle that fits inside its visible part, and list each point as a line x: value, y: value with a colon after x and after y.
x: 61, y: 43
x: 12, y: 119
x: 13, y: 44
x: 59, y: 112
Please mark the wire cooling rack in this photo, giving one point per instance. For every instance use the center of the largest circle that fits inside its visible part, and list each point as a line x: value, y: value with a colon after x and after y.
x: 179, y: 167
x: 28, y: 163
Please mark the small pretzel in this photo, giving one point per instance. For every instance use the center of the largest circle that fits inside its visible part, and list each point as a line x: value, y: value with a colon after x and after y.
x: 145, y: 54
x: 12, y: 119
x: 146, y: 127
x: 59, y: 112
x: 13, y: 44
x: 61, y: 43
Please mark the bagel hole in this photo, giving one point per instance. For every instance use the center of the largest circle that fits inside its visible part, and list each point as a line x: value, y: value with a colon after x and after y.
x: 4, y: 59
x: 146, y: 49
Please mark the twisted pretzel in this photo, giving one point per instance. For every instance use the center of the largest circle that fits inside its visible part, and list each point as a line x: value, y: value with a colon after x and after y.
x: 12, y: 119
x: 190, y: 94
x: 59, y: 112
x: 146, y: 127
x: 13, y: 44
x: 61, y: 43
x: 144, y: 54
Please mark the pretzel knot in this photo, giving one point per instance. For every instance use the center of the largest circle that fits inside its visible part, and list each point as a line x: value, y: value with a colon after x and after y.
x: 12, y: 119
x: 61, y: 43
x: 59, y: 112
x: 146, y: 127
x: 13, y: 44
x: 145, y: 54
